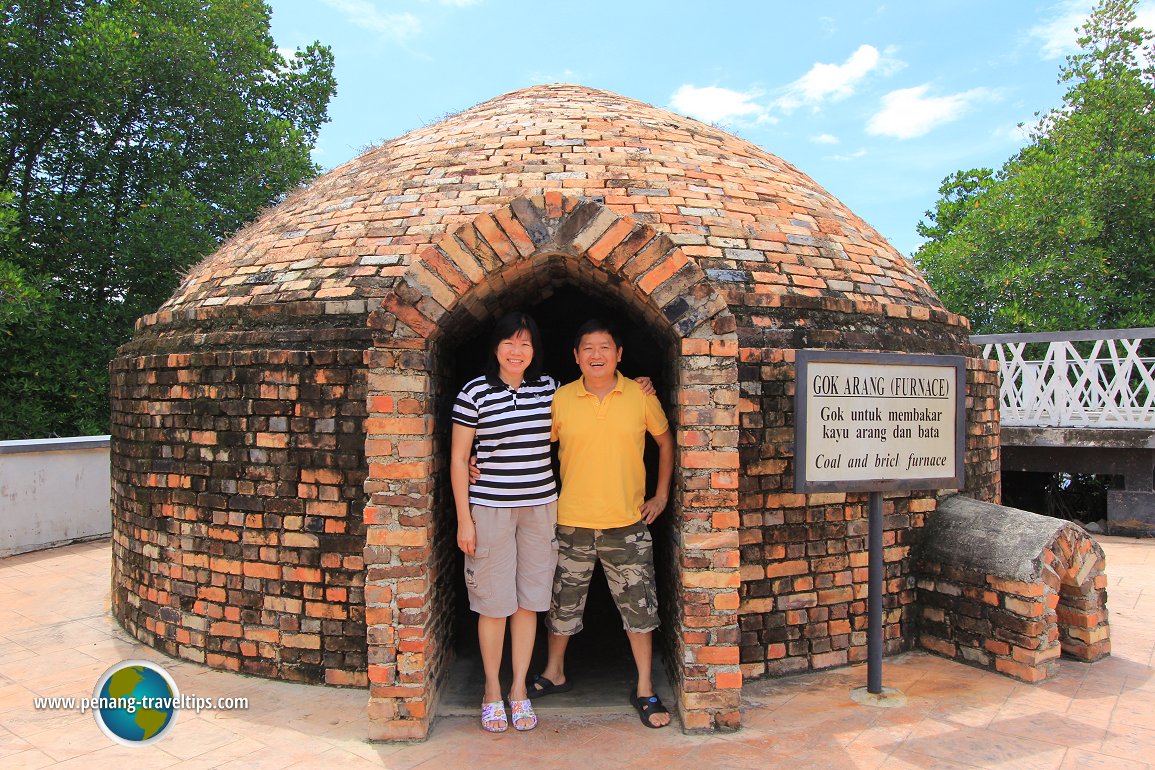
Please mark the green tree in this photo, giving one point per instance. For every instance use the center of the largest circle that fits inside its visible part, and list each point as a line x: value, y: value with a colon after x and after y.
x: 17, y: 296
x: 135, y: 135
x: 1062, y: 236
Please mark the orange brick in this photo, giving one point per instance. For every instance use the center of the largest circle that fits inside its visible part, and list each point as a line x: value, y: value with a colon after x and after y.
x: 695, y: 347
x: 398, y: 470
x: 402, y: 537
x: 1025, y: 608
x: 302, y: 641
x: 711, y: 579
x: 1016, y: 587
x: 1020, y: 670
x: 226, y: 629
x: 515, y: 231
x: 728, y: 680
x: 727, y: 348
x: 724, y: 480
x: 726, y: 656
x: 258, y: 569
x: 692, y: 459
x: 996, y: 647
x: 553, y: 204
x: 496, y: 238
x: 662, y: 271
x: 610, y: 239
x: 725, y: 520
x: 398, y: 426
x: 782, y: 569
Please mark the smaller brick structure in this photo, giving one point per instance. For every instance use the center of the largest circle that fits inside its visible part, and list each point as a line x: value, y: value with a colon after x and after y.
x: 1010, y: 590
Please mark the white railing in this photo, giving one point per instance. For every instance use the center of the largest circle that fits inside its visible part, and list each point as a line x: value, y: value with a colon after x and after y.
x: 1087, y: 379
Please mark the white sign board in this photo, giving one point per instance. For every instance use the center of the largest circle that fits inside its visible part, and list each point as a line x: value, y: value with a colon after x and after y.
x: 878, y: 421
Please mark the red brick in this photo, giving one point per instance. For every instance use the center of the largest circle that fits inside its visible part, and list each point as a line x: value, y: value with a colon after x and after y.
x: 610, y: 239
x: 726, y: 656
x: 1020, y: 670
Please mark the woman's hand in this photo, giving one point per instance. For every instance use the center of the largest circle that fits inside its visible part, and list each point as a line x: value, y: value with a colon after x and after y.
x: 466, y: 536
x: 474, y: 471
x: 647, y: 385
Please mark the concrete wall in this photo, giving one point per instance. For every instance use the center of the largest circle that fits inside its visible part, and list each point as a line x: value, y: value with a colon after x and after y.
x: 53, y: 491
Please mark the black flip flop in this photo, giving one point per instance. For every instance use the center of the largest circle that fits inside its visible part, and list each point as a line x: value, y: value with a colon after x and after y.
x: 647, y: 707
x: 539, y: 686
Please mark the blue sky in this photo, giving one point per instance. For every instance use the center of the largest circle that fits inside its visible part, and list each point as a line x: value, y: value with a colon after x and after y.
x: 876, y: 101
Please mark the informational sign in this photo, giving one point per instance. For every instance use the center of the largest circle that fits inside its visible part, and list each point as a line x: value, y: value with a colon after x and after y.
x: 868, y: 422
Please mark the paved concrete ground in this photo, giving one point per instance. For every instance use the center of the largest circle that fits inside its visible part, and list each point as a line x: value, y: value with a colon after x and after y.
x: 57, y: 638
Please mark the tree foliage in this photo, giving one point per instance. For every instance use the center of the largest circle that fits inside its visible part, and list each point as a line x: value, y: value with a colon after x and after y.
x: 17, y: 297
x: 135, y: 135
x: 1063, y: 235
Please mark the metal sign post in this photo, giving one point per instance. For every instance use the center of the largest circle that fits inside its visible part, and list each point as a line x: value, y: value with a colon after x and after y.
x: 874, y: 607
x: 878, y: 422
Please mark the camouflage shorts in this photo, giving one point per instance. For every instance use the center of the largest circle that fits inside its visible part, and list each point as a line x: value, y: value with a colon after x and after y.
x: 627, y: 556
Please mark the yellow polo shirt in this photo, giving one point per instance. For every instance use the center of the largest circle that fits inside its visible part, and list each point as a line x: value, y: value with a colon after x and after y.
x: 603, y: 478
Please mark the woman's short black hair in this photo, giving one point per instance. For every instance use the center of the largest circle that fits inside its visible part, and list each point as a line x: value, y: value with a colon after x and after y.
x: 593, y: 326
x: 506, y: 327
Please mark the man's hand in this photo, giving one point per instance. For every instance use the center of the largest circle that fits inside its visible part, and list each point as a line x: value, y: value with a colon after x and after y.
x: 466, y: 536
x: 647, y: 385
x: 652, y: 508
x: 474, y: 471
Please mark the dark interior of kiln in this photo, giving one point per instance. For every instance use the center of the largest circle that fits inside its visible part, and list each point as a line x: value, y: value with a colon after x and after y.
x: 559, y: 311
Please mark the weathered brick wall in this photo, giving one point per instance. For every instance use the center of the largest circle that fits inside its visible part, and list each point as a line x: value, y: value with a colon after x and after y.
x: 804, y: 557
x: 238, y: 475
x: 983, y: 467
x: 412, y: 584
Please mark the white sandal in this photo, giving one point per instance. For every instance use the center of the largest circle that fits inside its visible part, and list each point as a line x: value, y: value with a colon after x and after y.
x: 493, y: 717
x: 523, y: 709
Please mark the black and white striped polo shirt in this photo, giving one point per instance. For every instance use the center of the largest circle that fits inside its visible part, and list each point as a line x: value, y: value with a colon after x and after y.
x: 512, y: 440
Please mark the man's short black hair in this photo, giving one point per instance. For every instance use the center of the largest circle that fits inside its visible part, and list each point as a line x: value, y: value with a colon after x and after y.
x: 593, y: 326
x: 508, y: 326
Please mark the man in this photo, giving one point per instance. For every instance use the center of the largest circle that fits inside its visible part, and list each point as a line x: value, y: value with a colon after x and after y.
x: 601, y: 420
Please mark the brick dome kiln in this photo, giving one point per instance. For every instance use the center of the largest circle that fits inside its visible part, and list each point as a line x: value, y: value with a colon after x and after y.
x: 281, y: 502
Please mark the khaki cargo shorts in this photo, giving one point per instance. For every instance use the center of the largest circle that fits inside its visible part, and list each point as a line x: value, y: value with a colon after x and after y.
x: 627, y: 557
x: 514, y: 561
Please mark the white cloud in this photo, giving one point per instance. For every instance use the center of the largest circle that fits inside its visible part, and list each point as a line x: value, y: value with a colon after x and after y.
x: 1059, y: 35
x: 848, y: 156
x: 824, y: 139
x: 909, y: 112
x: 717, y: 105
x: 1145, y: 16
x: 830, y: 81
x: 1015, y: 132
x: 365, y: 14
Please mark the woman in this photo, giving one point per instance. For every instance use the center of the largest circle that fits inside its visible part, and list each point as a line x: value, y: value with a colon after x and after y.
x: 506, y: 519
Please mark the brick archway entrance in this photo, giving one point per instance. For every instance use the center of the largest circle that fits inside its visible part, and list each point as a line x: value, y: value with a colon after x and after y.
x: 486, y: 266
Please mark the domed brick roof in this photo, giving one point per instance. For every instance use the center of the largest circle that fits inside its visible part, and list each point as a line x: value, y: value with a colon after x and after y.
x: 755, y: 224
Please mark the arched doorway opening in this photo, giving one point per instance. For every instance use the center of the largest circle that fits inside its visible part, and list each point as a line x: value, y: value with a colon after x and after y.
x: 523, y: 255
x: 599, y: 657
